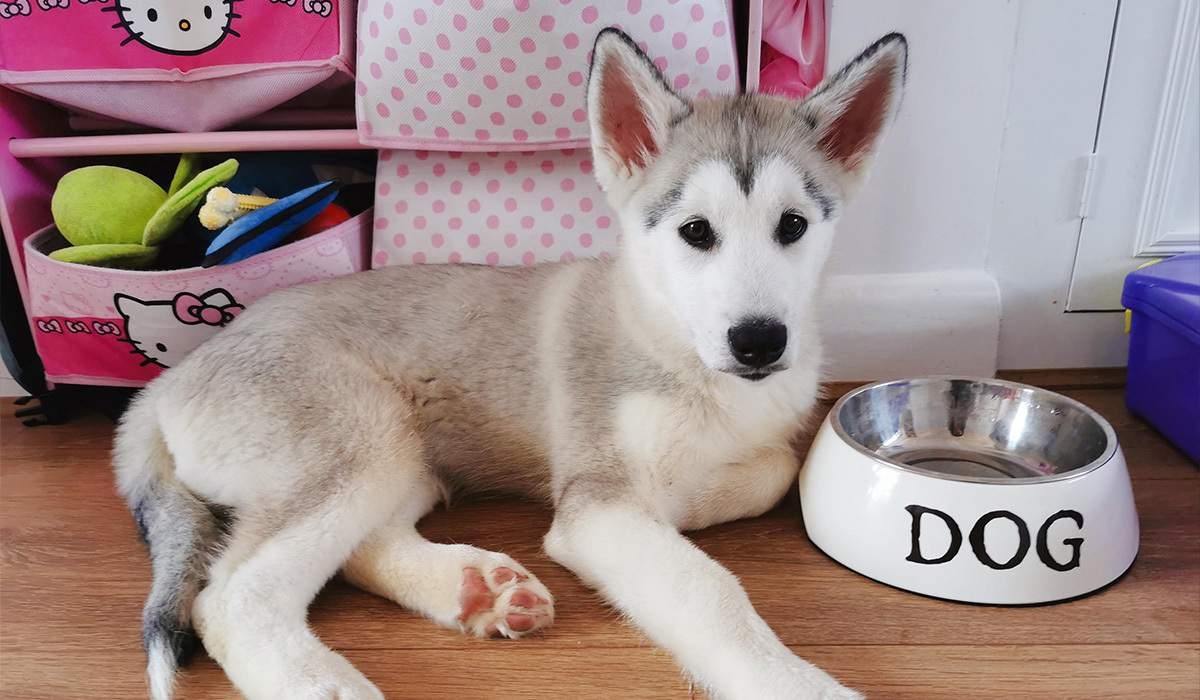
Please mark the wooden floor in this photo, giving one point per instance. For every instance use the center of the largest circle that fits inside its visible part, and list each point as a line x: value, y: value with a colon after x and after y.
x: 74, y: 576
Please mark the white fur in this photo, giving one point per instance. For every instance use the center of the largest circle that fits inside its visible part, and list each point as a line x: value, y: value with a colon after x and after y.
x: 747, y: 275
x: 685, y: 602
x: 160, y: 671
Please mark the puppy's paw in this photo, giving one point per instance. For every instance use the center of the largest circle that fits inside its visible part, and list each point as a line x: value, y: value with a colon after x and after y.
x: 328, y: 676
x: 503, y: 600
x: 842, y: 693
x: 799, y: 679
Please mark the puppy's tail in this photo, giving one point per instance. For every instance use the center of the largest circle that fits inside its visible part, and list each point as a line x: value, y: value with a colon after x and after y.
x: 180, y: 531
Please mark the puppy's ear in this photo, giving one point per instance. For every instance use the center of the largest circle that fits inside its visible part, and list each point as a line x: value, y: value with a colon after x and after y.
x: 851, y: 109
x: 630, y: 109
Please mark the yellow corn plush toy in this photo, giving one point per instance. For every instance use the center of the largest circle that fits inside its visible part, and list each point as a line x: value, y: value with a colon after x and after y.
x: 222, y: 207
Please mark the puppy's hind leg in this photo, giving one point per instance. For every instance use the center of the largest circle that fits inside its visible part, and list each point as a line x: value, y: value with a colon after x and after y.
x: 252, y: 614
x: 252, y: 619
x: 481, y: 593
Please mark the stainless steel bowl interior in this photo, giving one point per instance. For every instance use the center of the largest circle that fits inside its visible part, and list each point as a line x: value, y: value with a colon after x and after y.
x: 982, y: 430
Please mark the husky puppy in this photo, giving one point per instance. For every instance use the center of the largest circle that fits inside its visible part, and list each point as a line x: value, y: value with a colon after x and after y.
x: 651, y: 394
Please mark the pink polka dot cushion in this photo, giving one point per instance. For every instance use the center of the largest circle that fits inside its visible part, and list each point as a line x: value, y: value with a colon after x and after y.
x: 495, y: 208
x: 509, y: 74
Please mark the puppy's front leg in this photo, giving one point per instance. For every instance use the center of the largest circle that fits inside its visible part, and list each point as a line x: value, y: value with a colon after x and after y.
x: 684, y: 601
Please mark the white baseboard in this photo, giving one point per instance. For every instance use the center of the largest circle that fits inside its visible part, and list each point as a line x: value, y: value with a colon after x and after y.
x: 9, y: 387
x: 887, y: 326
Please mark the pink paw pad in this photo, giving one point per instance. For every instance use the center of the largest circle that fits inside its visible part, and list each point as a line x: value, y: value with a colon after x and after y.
x: 503, y: 574
x: 475, y: 596
x: 503, y: 602
x: 520, y: 623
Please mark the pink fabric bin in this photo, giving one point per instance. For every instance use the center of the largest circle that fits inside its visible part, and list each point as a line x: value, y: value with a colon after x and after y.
x: 509, y: 74
x: 179, y: 65
x: 494, y: 208
x: 786, y: 46
x: 95, y: 325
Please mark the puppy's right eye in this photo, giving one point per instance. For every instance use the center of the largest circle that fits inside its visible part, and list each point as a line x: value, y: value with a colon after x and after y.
x: 698, y: 234
x: 152, y: 14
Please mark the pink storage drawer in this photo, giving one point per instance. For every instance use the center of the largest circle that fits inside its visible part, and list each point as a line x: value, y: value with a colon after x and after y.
x: 179, y: 65
x: 509, y: 74
x: 109, y: 327
x: 493, y: 208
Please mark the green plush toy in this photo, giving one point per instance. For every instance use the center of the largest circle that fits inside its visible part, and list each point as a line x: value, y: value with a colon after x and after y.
x: 115, y: 217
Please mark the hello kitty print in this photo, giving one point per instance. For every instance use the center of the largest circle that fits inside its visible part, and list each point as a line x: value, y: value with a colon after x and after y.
x: 22, y: 7
x: 509, y: 74
x: 148, y: 336
x: 181, y: 35
x: 8, y: 10
x: 163, y: 332
x: 180, y: 27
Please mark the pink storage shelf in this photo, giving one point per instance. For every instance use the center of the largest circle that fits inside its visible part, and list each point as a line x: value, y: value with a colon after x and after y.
x: 274, y: 119
x: 211, y: 142
x: 39, y: 142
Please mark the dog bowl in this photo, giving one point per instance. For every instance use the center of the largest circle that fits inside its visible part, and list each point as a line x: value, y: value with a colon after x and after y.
x: 975, y: 490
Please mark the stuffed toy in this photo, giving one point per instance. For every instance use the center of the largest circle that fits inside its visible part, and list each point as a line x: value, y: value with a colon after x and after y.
x: 114, y: 217
x: 222, y: 207
x: 259, y: 228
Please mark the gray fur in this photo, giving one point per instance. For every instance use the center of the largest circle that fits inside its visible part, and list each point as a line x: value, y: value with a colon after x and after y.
x: 180, y: 532
x: 819, y: 196
x: 742, y: 153
x: 665, y: 204
x: 742, y: 132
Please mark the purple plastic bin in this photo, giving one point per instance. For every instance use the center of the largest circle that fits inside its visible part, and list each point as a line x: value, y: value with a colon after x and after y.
x: 1164, y: 348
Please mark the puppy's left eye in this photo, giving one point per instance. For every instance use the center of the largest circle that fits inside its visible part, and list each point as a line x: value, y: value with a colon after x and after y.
x: 791, y: 227
x: 207, y: 12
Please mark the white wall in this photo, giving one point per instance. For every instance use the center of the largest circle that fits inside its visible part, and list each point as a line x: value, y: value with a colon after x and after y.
x: 8, y: 386
x: 1058, y: 84
x: 975, y: 192
x: 909, y: 293
x: 928, y: 205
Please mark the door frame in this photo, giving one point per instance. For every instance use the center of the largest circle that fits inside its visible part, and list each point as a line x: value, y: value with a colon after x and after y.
x: 1149, y: 86
x: 1060, y: 62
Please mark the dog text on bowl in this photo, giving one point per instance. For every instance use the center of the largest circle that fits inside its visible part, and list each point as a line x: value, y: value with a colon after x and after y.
x: 978, y: 539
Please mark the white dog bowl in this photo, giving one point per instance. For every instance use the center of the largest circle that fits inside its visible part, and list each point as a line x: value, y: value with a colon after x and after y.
x: 976, y: 490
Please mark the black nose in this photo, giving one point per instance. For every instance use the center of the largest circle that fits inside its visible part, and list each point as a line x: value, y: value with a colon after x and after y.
x: 758, y: 342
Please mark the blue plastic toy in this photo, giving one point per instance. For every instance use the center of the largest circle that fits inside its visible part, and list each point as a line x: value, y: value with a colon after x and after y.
x: 263, y: 229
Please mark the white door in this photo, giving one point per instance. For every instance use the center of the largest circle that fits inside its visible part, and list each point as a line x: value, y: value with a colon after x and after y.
x: 1141, y: 197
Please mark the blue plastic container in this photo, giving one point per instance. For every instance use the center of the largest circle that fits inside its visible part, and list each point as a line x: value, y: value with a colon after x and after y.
x: 1164, y: 348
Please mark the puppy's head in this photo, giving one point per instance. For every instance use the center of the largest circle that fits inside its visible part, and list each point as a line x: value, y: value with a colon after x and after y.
x: 728, y: 204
